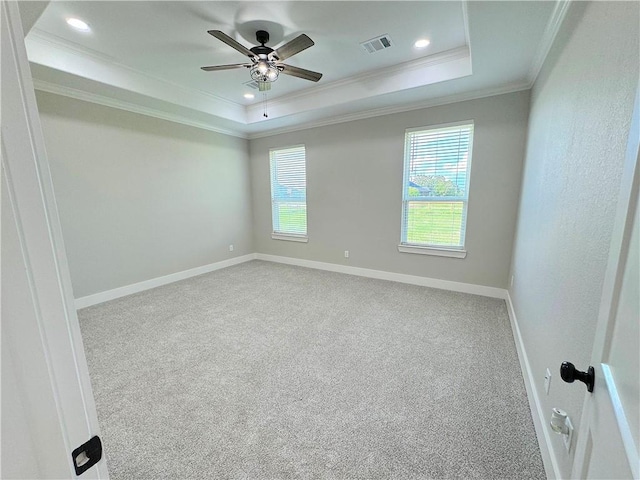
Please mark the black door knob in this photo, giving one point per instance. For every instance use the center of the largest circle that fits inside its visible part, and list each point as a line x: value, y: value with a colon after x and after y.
x: 569, y: 374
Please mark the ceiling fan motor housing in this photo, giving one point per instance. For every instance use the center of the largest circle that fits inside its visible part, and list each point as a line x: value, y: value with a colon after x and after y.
x: 262, y: 36
x: 261, y: 51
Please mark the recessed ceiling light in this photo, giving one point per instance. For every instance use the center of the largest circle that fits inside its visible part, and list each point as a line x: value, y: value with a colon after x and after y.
x: 423, y: 42
x: 249, y: 96
x: 78, y: 24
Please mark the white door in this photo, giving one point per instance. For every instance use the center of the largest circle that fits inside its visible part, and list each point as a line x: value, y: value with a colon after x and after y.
x: 607, y: 446
x: 47, y: 392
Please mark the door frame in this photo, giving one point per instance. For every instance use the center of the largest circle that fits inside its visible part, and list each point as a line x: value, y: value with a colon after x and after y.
x: 31, y: 197
x: 621, y: 235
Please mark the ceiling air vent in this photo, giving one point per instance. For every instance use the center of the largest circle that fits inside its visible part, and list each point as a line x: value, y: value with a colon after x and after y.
x: 377, y: 44
x: 251, y: 84
x: 261, y: 86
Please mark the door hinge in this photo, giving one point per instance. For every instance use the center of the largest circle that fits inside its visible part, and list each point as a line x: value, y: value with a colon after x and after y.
x: 87, y: 455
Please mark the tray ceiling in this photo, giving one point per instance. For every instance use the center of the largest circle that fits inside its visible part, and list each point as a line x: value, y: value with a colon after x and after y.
x: 146, y: 57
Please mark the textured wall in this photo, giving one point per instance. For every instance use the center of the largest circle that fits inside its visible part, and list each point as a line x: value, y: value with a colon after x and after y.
x: 139, y: 197
x: 354, y: 191
x: 580, y: 113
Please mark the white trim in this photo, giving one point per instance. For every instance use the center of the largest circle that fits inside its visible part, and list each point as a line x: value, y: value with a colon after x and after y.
x: 337, y: 94
x: 350, y: 117
x: 52, y: 329
x: 441, y: 252
x: 119, y: 292
x: 372, y: 76
x: 467, y: 36
x: 42, y: 46
x: 471, y: 288
x: 83, y: 95
x: 548, y: 38
x: 288, y: 147
x: 549, y: 458
x: 623, y: 424
x: 290, y: 238
x: 408, y: 107
x: 441, y: 126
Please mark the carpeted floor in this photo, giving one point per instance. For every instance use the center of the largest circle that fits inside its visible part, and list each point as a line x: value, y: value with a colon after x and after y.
x: 265, y: 371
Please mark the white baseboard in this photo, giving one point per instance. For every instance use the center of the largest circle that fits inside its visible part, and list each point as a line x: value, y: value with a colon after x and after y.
x: 394, y: 277
x: 101, y: 297
x: 96, y: 298
x: 549, y: 458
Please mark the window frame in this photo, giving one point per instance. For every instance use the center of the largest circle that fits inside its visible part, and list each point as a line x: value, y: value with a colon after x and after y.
x: 455, y: 251
x: 277, y: 234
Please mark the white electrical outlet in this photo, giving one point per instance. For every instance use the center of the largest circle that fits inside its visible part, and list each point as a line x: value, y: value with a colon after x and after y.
x: 346, y: 254
x: 547, y: 381
x: 231, y: 248
x: 561, y: 424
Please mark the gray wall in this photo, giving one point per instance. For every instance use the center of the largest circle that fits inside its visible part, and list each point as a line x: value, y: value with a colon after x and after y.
x: 579, y: 122
x: 140, y: 197
x: 354, y: 191
x: 30, y: 13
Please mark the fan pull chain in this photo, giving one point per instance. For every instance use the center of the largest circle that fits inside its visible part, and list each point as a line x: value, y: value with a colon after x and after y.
x: 264, y: 104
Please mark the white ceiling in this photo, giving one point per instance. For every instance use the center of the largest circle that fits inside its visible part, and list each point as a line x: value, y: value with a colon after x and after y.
x: 146, y: 57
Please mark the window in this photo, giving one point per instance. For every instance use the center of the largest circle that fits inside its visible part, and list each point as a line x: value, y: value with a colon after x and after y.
x: 289, y: 193
x: 435, y: 191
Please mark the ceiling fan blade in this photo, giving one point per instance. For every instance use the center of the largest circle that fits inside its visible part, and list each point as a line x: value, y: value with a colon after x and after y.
x: 223, y: 37
x: 300, y: 72
x: 298, y: 44
x: 213, y: 68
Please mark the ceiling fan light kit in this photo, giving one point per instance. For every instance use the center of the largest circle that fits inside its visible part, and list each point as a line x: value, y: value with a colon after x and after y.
x: 264, y: 71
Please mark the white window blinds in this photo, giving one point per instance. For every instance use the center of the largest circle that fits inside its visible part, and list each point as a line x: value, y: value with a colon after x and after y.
x: 435, y: 193
x: 289, y: 191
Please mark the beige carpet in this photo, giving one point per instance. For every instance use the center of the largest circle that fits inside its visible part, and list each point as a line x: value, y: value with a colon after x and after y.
x: 265, y: 371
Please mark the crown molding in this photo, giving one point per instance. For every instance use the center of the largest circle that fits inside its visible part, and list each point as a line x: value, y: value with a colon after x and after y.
x: 378, y: 112
x: 57, y: 89
x: 437, y: 68
x: 58, y: 42
x: 58, y: 54
x: 548, y: 38
x: 47, y: 49
x: 419, y: 64
x: 457, y: 59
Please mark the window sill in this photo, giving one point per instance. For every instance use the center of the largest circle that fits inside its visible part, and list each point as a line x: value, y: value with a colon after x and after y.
x: 290, y: 238
x: 441, y: 252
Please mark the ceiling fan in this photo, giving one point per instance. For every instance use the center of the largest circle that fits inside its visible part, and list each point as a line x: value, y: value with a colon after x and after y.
x: 266, y: 63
